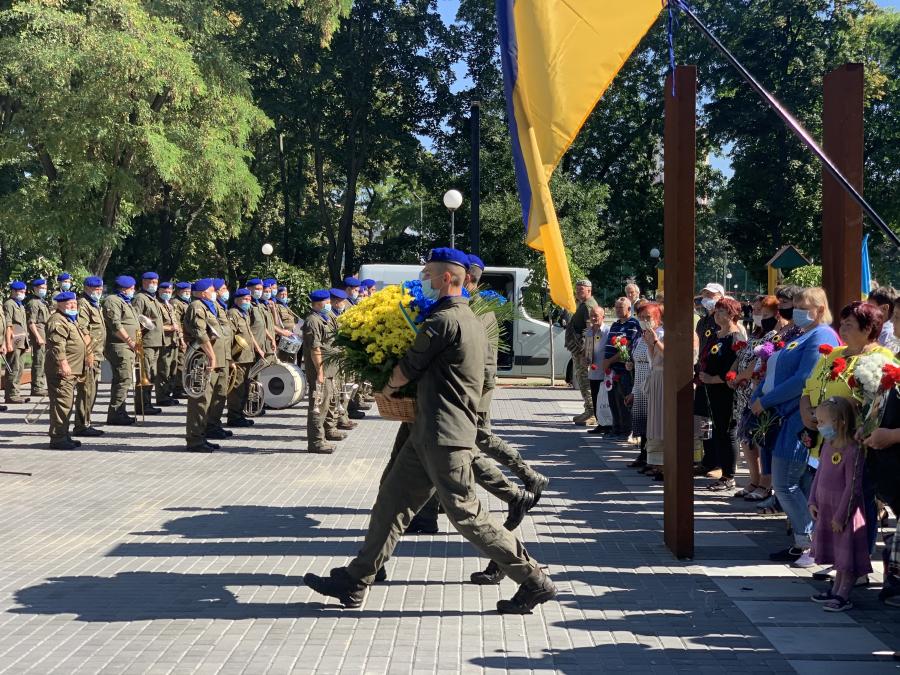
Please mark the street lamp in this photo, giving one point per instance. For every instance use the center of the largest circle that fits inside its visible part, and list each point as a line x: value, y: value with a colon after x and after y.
x: 267, y: 250
x: 453, y: 200
x: 654, y: 253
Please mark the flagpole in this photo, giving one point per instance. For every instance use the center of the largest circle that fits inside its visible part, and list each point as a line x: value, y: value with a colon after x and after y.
x: 790, y: 120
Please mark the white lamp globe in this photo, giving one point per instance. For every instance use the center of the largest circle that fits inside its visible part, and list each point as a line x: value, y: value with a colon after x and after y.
x: 453, y: 199
x: 267, y: 249
x: 654, y: 252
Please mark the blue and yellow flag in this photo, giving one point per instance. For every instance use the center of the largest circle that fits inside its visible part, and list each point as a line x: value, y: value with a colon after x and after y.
x: 558, y: 57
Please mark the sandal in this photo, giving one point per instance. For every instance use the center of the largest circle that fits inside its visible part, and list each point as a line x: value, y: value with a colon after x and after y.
x: 838, y: 604
x: 746, y: 491
x: 823, y: 597
x: 721, y: 485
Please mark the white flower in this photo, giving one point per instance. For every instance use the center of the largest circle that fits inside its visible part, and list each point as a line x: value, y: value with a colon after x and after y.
x: 868, y: 373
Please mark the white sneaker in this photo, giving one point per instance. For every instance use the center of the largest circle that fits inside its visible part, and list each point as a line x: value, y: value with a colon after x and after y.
x: 804, y: 561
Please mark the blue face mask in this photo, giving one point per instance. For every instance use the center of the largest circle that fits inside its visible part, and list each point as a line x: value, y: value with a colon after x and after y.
x: 802, y: 318
x: 224, y: 295
x: 71, y: 312
x: 186, y: 297
x: 128, y: 294
x: 428, y: 290
x: 41, y: 292
x: 65, y: 286
x: 95, y: 296
x: 326, y: 308
x: 829, y: 433
x: 266, y: 295
x: 283, y: 301
x: 165, y: 297
x: 256, y: 294
x: 245, y: 306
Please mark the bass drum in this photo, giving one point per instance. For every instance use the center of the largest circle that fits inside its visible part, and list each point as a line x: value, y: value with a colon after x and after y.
x: 284, y: 384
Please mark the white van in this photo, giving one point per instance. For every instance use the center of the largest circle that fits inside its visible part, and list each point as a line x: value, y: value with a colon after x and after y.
x: 529, y: 353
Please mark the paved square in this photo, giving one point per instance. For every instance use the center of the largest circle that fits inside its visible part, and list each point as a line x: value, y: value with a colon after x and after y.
x: 129, y: 556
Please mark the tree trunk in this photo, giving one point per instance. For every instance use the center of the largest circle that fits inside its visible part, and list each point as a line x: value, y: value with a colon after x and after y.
x: 324, y: 223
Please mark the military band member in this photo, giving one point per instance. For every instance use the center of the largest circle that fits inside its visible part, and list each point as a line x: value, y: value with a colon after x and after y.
x: 366, y: 287
x: 260, y: 318
x: 64, y: 282
x: 352, y: 289
x: 214, y: 428
x: 69, y: 352
x: 90, y: 320
x: 38, y: 312
x: 121, y: 335
x: 318, y: 336
x: 16, y: 340
x: 202, y: 328
x: 244, y: 356
x: 145, y: 304
x: 284, y: 319
x: 338, y: 300
x: 179, y: 305
x: 4, y: 348
x: 167, y: 365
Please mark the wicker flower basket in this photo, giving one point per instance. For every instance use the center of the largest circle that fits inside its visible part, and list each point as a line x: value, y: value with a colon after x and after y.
x: 397, y: 409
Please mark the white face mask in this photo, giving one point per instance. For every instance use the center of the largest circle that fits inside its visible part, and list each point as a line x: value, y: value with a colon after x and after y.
x: 186, y: 297
x: 428, y: 289
x: 19, y: 296
x: 757, y: 319
x: 645, y: 324
x: 256, y: 294
x: 709, y: 304
x: 152, y: 288
x: 326, y: 308
x: 96, y: 295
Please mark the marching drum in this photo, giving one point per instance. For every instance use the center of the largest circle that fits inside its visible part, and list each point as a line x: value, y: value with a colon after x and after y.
x: 289, y: 344
x: 284, y: 384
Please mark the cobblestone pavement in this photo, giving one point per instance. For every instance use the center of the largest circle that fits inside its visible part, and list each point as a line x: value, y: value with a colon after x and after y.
x: 129, y: 556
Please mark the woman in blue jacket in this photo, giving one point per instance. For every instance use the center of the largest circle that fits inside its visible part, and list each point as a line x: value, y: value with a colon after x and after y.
x: 781, y: 392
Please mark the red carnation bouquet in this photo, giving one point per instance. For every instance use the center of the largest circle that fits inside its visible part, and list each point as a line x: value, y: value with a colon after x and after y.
x: 620, y: 342
x: 883, y: 380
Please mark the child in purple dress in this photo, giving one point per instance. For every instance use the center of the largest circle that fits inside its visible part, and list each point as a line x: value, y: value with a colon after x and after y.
x: 835, y: 503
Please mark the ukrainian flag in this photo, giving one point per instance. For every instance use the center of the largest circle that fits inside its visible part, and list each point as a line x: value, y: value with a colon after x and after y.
x: 558, y: 57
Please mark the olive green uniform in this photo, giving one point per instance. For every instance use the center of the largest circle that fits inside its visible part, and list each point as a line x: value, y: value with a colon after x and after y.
x: 447, y: 362
x: 119, y: 315
x: 147, y: 305
x: 38, y: 313
x: 65, y: 342
x: 16, y: 319
x: 179, y: 307
x: 167, y: 363
x: 243, y: 361
x: 575, y: 330
x: 4, y: 373
x: 260, y: 324
x: 341, y: 402
x: 284, y: 318
x: 318, y: 333
x: 90, y: 320
x: 226, y: 342
x: 199, y: 324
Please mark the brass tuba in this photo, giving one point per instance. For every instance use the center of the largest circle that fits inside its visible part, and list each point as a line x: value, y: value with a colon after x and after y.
x: 256, y: 393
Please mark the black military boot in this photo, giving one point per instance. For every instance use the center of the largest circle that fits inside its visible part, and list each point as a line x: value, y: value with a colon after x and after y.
x: 491, y: 576
x: 535, y: 591
x: 518, y: 507
x: 537, y: 485
x: 381, y: 574
x: 422, y: 526
x: 340, y: 585
x: 119, y: 418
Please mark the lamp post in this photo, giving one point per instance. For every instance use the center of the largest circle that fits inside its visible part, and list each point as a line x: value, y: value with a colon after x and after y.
x: 453, y: 200
x: 267, y: 250
x: 654, y: 253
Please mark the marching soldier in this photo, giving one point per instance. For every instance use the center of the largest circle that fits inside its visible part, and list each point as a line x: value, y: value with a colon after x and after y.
x: 214, y: 428
x: 38, y: 312
x: 167, y: 366
x: 4, y: 349
x: 90, y: 320
x: 338, y: 301
x: 64, y: 282
x: 285, y: 320
x: 351, y: 288
x: 203, y: 326
x: 260, y: 318
x: 145, y: 304
x: 244, y: 356
x: 179, y: 305
x: 318, y: 335
x: 69, y: 353
x: 121, y: 330
x: 575, y: 330
x: 16, y: 340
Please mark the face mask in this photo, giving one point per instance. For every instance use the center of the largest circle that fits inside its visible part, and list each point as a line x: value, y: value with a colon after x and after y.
x: 326, y: 308
x: 266, y: 295
x: 283, y: 301
x: 165, y: 297
x: 757, y: 319
x: 829, y: 433
x: 71, y: 312
x: 224, y: 295
x: 152, y: 288
x: 41, y: 292
x: 96, y: 295
x: 256, y: 295
x: 709, y: 304
x: 787, y: 313
x: 802, y: 318
x: 128, y: 294
x: 354, y: 294
x: 769, y: 324
x: 645, y: 324
x: 244, y: 306
x: 428, y: 290
x: 65, y: 286
x: 186, y: 297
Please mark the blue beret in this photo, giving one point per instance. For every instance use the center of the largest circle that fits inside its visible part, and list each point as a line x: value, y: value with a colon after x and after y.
x: 475, y: 260
x: 202, y: 285
x: 270, y: 282
x: 449, y: 255
x: 125, y: 281
x: 241, y: 292
x: 165, y: 284
x: 38, y: 282
x: 352, y: 282
x: 218, y: 283
x: 183, y: 285
x: 338, y: 293
x: 64, y: 296
x: 149, y: 275
x: 65, y: 276
x: 17, y: 286
x: 319, y: 295
x: 93, y: 282
x: 367, y: 283
x: 254, y: 281
x: 282, y: 288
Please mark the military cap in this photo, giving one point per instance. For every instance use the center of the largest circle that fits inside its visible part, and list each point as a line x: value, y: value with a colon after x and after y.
x: 450, y: 256
x: 65, y: 276
x: 352, y: 282
x: 38, y: 282
x: 202, y: 285
x: 476, y: 261
x: 338, y: 293
x: 282, y: 288
x: 146, y: 276
x: 125, y: 281
x: 584, y: 282
x: 218, y: 283
x: 17, y: 286
x: 65, y: 296
x: 183, y: 285
x: 270, y: 282
x: 254, y: 282
x: 165, y: 284
x: 241, y: 292
x: 319, y: 295
x: 367, y: 283
x: 93, y: 282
